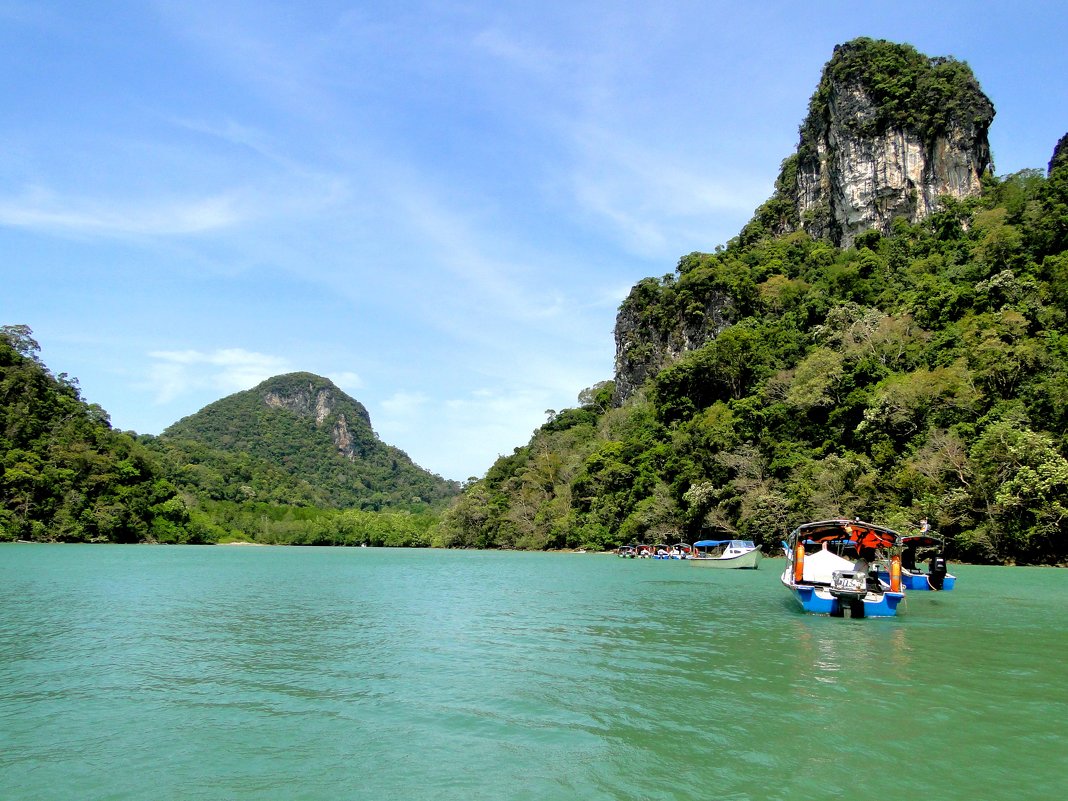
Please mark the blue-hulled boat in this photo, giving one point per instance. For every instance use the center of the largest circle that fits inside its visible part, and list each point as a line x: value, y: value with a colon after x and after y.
x: 825, y: 582
x: 927, y: 545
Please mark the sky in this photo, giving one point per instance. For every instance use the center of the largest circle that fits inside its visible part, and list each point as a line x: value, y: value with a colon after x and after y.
x: 438, y: 205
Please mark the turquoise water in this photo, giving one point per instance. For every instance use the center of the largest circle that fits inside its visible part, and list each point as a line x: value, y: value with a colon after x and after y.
x: 140, y: 672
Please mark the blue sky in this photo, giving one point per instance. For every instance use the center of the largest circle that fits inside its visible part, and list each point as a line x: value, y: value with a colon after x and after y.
x: 439, y: 205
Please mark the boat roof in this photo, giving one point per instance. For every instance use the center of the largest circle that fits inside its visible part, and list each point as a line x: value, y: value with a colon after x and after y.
x: 922, y: 540
x: 860, y: 533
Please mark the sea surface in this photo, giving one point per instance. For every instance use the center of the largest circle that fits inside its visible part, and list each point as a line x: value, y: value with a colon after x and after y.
x: 185, y: 672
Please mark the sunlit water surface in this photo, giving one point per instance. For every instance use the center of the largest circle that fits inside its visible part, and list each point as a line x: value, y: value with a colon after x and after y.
x: 138, y: 672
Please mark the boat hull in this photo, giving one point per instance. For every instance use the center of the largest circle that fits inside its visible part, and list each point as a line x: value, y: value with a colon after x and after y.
x: 750, y: 560
x: 918, y: 581
x: 818, y: 600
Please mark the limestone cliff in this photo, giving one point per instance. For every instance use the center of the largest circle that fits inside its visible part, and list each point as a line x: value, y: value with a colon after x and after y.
x: 888, y: 133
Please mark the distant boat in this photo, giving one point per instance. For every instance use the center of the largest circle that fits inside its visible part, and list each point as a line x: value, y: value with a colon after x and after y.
x: 726, y: 553
x: 679, y: 550
x: 826, y: 583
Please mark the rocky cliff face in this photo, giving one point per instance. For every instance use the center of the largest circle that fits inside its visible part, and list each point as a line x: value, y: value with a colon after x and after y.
x: 889, y: 132
x: 646, y: 343
x: 313, y: 400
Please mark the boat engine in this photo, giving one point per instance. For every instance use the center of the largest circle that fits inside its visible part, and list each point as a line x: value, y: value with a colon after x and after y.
x: 939, y: 569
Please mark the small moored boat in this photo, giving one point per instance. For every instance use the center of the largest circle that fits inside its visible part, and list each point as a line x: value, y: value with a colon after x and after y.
x: 726, y: 553
x: 826, y: 583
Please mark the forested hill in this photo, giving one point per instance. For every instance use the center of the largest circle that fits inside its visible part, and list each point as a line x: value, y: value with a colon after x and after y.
x: 65, y: 474
x: 306, y: 427
x: 920, y: 371
x: 296, y: 463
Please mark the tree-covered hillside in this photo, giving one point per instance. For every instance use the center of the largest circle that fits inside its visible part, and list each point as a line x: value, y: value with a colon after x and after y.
x: 920, y: 373
x: 303, y: 427
x: 65, y: 474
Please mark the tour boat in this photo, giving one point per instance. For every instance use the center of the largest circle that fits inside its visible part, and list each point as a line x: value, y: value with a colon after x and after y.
x: 726, y: 553
x: 826, y: 583
x: 915, y: 578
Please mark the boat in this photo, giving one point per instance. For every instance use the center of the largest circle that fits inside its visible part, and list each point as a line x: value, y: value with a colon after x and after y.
x: 726, y: 553
x: 932, y: 547
x: 627, y: 551
x: 679, y: 550
x: 661, y: 551
x: 825, y: 582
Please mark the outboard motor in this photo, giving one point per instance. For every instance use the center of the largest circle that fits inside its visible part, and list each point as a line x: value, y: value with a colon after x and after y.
x: 938, y: 571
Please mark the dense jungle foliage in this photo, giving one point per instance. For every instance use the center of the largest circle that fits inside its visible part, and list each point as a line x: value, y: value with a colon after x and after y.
x: 909, y: 91
x: 67, y: 476
x: 918, y: 374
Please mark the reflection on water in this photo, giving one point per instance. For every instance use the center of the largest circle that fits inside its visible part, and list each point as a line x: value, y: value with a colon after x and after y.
x: 212, y: 673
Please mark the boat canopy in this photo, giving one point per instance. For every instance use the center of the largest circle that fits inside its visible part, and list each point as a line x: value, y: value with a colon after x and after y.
x: 717, y: 543
x: 861, y: 534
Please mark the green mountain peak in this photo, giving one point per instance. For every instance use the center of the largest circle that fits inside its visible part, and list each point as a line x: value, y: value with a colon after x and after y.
x: 309, y: 428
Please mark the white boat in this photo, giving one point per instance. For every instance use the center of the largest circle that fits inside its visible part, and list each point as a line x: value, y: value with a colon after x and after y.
x: 726, y: 553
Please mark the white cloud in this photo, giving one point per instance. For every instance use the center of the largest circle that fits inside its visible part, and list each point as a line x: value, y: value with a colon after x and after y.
x: 402, y: 409
x: 462, y: 436
x: 183, y: 372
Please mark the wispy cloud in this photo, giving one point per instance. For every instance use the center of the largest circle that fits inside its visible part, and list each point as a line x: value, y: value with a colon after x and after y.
x: 523, y: 55
x: 176, y: 373
x: 347, y: 380
x: 460, y: 437
x: 652, y: 198
x: 42, y: 210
